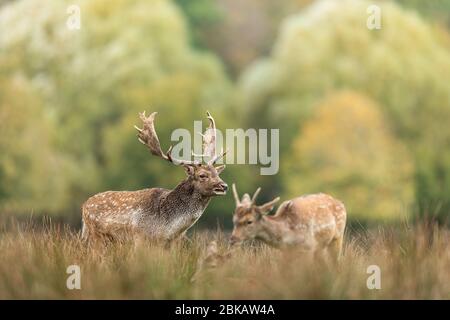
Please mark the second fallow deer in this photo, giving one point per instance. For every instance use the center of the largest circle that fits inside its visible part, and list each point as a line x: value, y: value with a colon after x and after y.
x: 311, y: 223
x: 157, y: 213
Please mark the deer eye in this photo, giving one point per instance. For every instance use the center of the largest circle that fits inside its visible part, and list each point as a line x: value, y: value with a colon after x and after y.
x: 249, y: 221
x: 203, y: 176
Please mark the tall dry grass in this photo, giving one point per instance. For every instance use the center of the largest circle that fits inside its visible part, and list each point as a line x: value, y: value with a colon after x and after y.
x: 414, y: 262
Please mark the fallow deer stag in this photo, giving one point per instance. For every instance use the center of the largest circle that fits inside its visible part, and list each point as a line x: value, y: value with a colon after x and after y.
x: 157, y: 213
x: 311, y: 223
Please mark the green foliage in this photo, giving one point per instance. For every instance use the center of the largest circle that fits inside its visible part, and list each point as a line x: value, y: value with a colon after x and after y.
x: 237, y: 31
x: 69, y: 98
x: 201, y: 15
x: 31, y: 174
x: 328, y: 46
x: 434, y: 10
x: 128, y: 56
x: 346, y: 149
x: 404, y: 67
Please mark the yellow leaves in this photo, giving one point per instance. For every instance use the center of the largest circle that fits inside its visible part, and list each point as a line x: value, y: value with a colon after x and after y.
x: 348, y: 150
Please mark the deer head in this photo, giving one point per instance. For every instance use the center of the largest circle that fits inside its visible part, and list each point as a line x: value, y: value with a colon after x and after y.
x: 204, y: 177
x: 248, y: 216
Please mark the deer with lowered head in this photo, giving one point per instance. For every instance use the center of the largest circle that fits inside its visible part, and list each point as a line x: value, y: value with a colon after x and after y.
x: 157, y: 213
x: 311, y: 223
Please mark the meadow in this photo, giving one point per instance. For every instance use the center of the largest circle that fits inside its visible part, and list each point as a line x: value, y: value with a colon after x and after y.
x: 414, y: 262
x: 356, y: 91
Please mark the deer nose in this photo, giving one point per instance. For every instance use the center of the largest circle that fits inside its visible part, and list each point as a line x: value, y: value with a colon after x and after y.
x: 224, y: 186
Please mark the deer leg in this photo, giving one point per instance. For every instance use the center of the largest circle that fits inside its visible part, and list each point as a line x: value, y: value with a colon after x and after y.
x: 186, y: 238
x: 335, y: 248
x: 319, y: 255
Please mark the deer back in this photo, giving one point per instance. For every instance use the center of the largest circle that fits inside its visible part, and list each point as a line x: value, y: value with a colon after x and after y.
x: 319, y: 211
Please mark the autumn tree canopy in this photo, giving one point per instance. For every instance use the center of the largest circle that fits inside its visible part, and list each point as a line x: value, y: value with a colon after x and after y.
x: 69, y: 98
x: 126, y: 57
x: 404, y: 67
x: 347, y: 149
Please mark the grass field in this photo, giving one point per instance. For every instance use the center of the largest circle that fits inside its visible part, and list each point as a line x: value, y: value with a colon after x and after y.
x: 414, y: 263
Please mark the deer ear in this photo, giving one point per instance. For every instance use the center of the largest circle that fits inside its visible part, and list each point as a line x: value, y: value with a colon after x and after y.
x: 219, y: 169
x: 190, y: 169
x: 267, y: 207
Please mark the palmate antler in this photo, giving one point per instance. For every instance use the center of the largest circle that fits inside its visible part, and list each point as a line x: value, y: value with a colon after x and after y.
x: 147, y: 136
x: 210, y: 141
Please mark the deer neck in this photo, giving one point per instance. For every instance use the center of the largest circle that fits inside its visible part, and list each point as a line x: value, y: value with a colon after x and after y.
x: 272, y: 231
x: 185, y: 199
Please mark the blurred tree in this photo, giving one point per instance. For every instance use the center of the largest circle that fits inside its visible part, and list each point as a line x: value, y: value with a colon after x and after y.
x: 436, y: 10
x: 31, y: 174
x: 346, y: 149
x: 202, y: 15
x: 246, y: 29
x: 128, y: 56
x: 241, y: 31
x: 404, y: 67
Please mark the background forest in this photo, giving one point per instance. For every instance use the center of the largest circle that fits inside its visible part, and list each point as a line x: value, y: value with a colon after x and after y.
x: 363, y: 114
